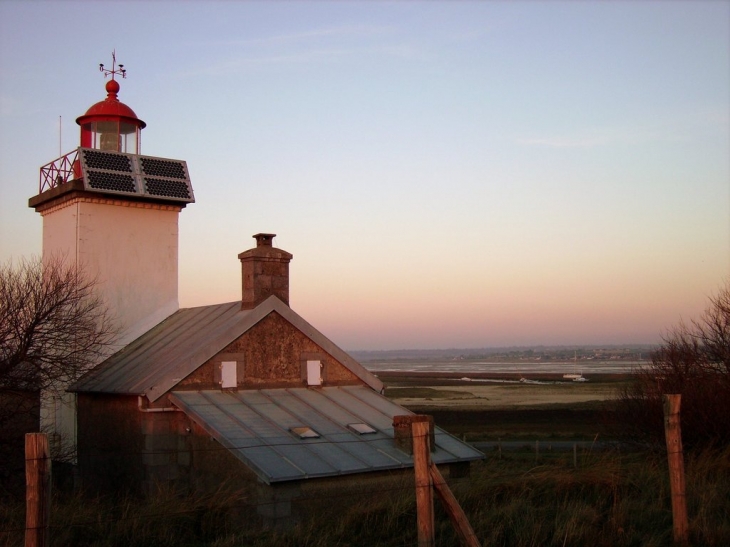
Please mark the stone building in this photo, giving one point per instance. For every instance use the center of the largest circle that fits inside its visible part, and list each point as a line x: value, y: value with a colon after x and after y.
x: 245, y: 395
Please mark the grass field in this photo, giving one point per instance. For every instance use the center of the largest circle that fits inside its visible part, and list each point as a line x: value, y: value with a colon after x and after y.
x: 476, y: 397
x: 484, y: 410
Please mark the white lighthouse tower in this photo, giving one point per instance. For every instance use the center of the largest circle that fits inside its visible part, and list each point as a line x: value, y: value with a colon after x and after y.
x: 114, y: 212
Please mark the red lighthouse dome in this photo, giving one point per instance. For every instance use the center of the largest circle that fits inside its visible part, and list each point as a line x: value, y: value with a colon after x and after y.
x: 110, y: 124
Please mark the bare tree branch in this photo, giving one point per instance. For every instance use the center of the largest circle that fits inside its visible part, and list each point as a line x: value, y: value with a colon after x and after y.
x: 53, y: 326
x: 694, y: 360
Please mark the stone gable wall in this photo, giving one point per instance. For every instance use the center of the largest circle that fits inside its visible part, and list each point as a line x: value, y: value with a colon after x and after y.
x: 273, y: 354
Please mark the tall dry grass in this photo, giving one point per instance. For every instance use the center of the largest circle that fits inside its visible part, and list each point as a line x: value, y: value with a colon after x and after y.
x: 612, y: 498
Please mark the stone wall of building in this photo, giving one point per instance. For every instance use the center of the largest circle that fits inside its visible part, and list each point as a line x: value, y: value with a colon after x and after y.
x: 274, y: 355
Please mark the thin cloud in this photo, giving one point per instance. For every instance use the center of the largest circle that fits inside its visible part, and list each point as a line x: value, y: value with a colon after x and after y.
x: 563, y: 142
x: 322, y: 55
x: 244, y: 62
x: 317, y: 46
x: 339, y: 31
x: 346, y: 31
x: 605, y: 137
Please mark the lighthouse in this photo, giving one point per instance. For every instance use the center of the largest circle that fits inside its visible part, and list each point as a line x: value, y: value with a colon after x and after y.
x: 113, y: 212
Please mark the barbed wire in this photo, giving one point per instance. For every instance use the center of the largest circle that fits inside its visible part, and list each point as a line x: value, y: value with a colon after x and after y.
x: 333, y: 492
x: 220, y: 447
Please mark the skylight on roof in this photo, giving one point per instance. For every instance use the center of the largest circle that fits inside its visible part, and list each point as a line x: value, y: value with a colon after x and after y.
x: 304, y: 432
x: 360, y: 429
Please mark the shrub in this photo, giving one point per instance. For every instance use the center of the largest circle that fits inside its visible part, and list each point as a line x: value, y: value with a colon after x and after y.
x: 693, y: 361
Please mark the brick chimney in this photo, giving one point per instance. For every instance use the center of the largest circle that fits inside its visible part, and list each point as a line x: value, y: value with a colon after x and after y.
x: 265, y: 272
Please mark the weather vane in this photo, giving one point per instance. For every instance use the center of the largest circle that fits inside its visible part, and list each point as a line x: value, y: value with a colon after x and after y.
x: 121, y: 70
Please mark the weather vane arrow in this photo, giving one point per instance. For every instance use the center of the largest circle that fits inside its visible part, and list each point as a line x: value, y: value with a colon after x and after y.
x: 115, y: 70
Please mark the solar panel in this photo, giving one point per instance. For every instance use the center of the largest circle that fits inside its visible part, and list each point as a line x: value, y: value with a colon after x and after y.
x: 101, y: 180
x: 106, y: 160
x: 163, y: 168
x: 141, y: 176
x: 169, y: 188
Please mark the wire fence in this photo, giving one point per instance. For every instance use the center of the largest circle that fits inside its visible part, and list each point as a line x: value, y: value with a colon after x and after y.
x: 401, y: 488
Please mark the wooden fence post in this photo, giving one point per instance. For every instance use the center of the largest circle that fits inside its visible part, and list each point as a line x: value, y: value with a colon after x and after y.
x: 424, y: 492
x: 673, y: 432
x: 453, y: 509
x: 37, y: 490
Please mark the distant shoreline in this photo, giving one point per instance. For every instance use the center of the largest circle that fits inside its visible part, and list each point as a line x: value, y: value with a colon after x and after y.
x: 567, y: 351
x: 458, y: 378
x: 544, y: 362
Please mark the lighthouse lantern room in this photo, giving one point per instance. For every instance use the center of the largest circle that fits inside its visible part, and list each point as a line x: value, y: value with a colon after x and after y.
x: 109, y: 159
x: 111, y: 124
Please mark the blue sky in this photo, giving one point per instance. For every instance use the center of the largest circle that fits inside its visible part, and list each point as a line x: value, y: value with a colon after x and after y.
x: 446, y: 174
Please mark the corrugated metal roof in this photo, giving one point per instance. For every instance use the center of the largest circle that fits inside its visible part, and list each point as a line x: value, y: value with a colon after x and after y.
x: 256, y: 427
x: 159, y: 359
